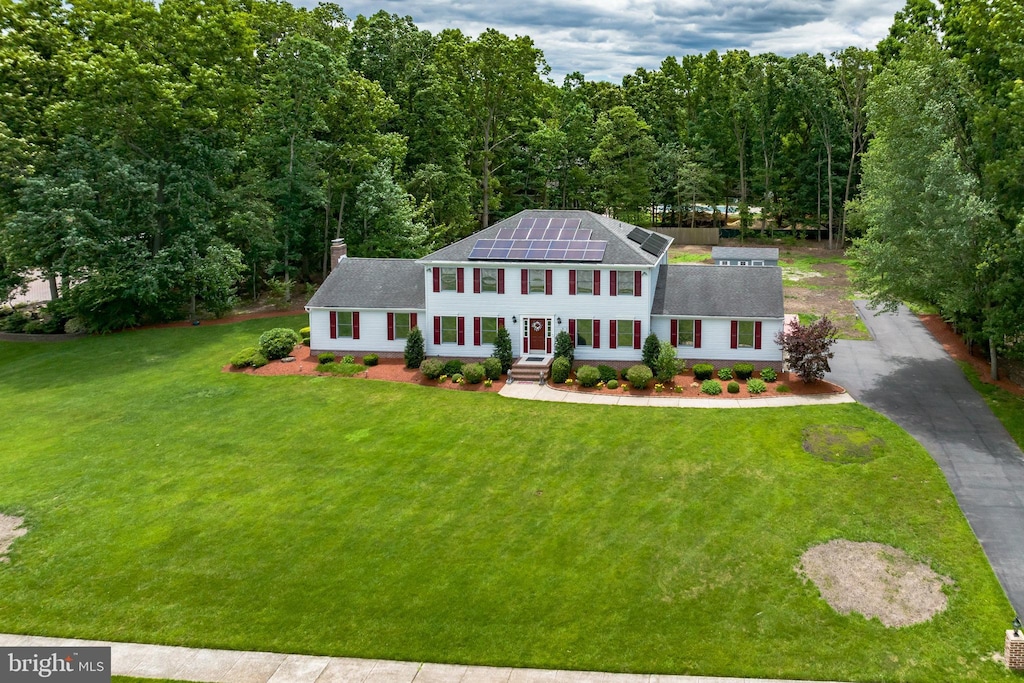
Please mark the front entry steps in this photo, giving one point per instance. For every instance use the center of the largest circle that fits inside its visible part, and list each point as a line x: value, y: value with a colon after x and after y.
x: 531, y: 368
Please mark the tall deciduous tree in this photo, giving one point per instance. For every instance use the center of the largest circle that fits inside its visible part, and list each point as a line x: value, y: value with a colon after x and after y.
x: 624, y: 160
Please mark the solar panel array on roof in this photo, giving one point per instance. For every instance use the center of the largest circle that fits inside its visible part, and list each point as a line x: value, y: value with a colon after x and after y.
x: 541, y: 239
x: 654, y: 244
x: 637, y: 235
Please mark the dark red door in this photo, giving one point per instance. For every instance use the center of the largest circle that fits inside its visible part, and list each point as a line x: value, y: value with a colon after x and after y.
x: 538, y: 334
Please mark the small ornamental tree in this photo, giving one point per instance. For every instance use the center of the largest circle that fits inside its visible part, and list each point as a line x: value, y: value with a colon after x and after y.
x: 666, y: 365
x: 652, y: 347
x: 503, y: 349
x: 808, y: 347
x: 563, y: 346
x: 414, y: 351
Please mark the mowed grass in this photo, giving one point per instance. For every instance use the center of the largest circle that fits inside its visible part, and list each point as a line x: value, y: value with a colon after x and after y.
x: 169, y: 502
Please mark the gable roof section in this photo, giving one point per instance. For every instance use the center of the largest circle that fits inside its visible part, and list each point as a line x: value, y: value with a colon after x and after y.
x: 719, y: 291
x: 620, y: 250
x: 372, y: 283
x: 745, y: 253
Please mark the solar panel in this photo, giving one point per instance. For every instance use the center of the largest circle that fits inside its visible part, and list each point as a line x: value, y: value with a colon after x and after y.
x: 541, y: 239
x: 654, y: 244
x: 637, y: 235
x: 526, y: 223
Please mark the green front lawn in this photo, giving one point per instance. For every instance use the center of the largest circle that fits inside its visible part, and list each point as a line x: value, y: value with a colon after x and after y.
x: 172, y: 503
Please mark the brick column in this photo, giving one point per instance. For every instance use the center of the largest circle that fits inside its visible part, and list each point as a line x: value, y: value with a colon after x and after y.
x: 1015, y: 650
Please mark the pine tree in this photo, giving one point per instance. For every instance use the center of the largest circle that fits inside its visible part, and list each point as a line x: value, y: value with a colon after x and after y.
x: 414, y: 352
x: 503, y: 349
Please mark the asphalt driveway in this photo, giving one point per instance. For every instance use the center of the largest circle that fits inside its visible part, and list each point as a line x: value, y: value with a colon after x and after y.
x: 906, y: 375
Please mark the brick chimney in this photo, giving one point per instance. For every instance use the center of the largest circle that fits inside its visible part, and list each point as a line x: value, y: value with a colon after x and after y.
x: 339, y: 250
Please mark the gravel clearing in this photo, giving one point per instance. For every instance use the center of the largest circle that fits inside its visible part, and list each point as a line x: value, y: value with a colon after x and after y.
x: 875, y: 580
x: 10, y: 529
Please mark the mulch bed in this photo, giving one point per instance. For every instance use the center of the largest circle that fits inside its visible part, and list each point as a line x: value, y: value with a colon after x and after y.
x: 691, y: 388
x: 957, y: 349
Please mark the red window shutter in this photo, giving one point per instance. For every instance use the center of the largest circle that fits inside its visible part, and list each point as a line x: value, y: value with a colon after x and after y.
x: 572, y: 329
x: 437, y: 279
x: 597, y: 283
x: 501, y: 280
x: 636, y: 283
x: 757, y: 334
x: 437, y: 329
x: 696, y: 334
x: 613, y: 343
x: 549, y: 344
x: 462, y: 331
x: 572, y: 283
x: 613, y: 284
x: 334, y: 324
x: 547, y: 287
x: 460, y: 280
x: 476, y: 331
x: 476, y: 280
x: 391, y: 326
x: 526, y: 280
x: 412, y: 321
x: 355, y: 324
x: 674, y: 332
x: 636, y: 334
x: 501, y: 322
x: 734, y: 335
x: 597, y: 334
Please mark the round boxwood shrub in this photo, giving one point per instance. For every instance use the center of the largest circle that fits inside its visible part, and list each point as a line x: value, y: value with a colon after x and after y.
x: 278, y: 342
x: 639, y: 376
x: 492, y: 368
x: 743, y: 370
x: 756, y: 386
x: 371, y: 359
x: 474, y: 373
x: 608, y: 373
x: 725, y: 374
x: 769, y: 374
x: 325, y: 358
x: 249, y: 357
x: 733, y: 387
x: 703, y: 371
x: 612, y: 383
x: 453, y: 367
x: 432, y: 368
x: 711, y: 387
x: 457, y: 378
x: 588, y: 375
x: 560, y: 370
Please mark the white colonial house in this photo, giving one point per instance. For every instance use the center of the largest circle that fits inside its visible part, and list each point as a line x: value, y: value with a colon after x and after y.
x: 607, y: 283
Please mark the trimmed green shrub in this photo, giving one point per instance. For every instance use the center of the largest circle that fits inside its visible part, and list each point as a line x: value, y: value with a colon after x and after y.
x: 249, y: 357
x: 474, y: 373
x: 564, y: 346
x: 503, y: 349
x: 325, y: 358
x: 371, y: 359
x: 743, y: 370
x: 639, y: 376
x: 711, y: 387
x: 304, y: 332
x: 34, y: 327
x: 666, y: 365
x: 492, y: 368
x: 432, y: 368
x: 278, y: 342
x: 349, y: 360
x: 608, y: 373
x: 733, y: 387
x: 15, y: 322
x: 649, y: 356
x: 769, y: 374
x: 703, y: 371
x: 560, y: 370
x: 756, y: 386
x: 612, y: 383
x: 453, y: 367
x: 457, y: 378
x: 414, y: 349
x: 725, y: 374
x: 588, y: 375
x: 782, y: 389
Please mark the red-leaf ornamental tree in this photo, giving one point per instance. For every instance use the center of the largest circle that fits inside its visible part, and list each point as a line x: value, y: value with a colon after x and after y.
x: 808, y: 347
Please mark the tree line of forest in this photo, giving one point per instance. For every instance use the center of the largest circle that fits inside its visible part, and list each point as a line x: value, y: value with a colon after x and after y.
x: 169, y: 157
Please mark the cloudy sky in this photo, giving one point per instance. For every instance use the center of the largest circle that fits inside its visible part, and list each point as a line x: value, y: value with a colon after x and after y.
x: 606, y: 39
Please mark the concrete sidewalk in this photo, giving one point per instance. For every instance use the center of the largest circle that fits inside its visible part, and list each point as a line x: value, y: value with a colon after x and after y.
x: 543, y: 392
x: 231, y: 666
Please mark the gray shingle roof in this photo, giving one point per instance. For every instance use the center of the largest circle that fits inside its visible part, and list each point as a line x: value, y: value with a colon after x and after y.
x: 372, y: 283
x: 719, y: 291
x: 745, y: 253
x: 620, y: 251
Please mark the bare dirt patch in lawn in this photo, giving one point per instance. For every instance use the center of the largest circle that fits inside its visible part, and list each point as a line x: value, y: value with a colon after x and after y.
x: 875, y: 580
x: 842, y: 444
x: 11, y: 528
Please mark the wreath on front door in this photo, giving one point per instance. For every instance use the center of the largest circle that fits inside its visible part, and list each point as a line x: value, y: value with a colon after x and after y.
x: 537, y: 324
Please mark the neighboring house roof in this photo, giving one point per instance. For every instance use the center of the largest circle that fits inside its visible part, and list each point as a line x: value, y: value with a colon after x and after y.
x: 745, y: 253
x: 714, y: 291
x: 620, y: 249
x: 372, y: 283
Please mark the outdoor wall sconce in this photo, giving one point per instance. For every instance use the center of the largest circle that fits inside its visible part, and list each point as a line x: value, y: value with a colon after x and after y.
x: 514, y: 321
x: 559, y: 320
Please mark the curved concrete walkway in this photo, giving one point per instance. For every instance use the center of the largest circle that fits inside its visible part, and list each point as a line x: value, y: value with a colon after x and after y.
x: 231, y: 666
x: 543, y: 392
x: 906, y: 375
